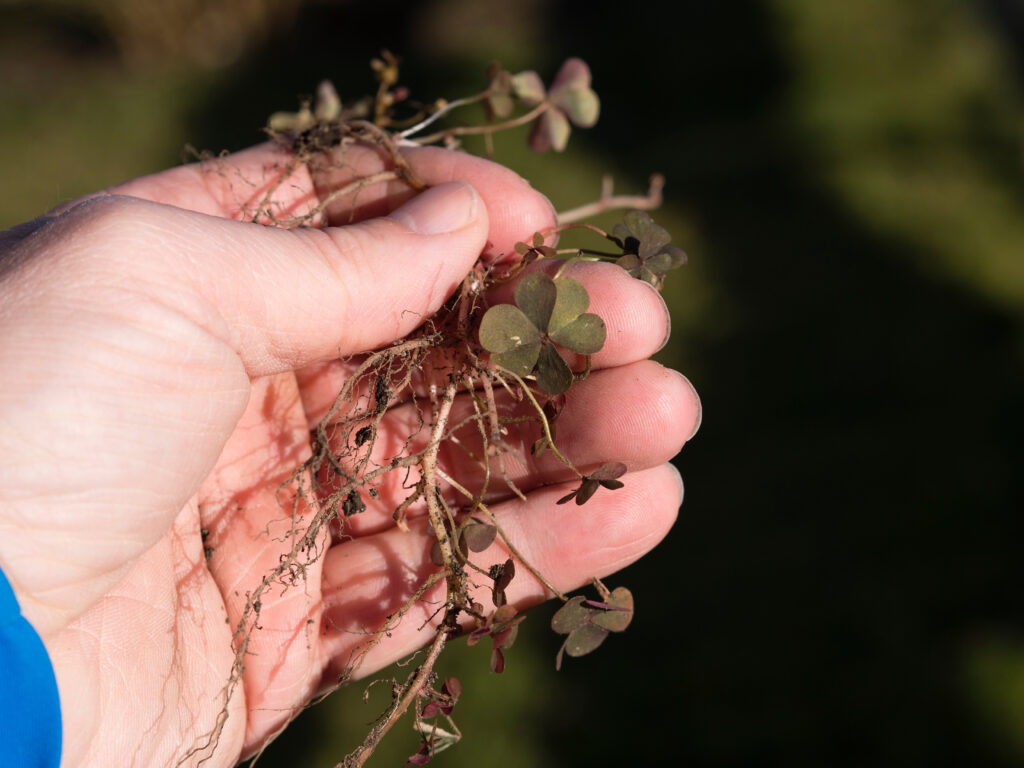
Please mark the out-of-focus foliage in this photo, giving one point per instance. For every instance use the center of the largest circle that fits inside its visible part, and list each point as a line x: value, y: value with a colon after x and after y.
x: 848, y: 180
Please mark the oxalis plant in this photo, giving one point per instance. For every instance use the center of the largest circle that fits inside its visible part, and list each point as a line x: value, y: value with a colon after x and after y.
x: 534, y: 349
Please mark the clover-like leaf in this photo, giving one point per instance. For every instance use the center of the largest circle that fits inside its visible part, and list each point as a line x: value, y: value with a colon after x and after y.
x: 647, y: 251
x: 588, y: 622
x: 570, y: 99
x: 520, y: 338
x: 606, y: 475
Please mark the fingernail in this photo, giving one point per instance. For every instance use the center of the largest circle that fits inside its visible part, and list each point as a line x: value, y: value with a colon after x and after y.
x: 444, y: 208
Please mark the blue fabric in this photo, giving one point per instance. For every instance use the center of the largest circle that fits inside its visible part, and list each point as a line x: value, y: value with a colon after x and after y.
x: 30, y: 728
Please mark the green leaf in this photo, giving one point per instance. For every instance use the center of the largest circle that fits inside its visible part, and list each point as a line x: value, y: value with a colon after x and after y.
x: 660, y: 263
x: 585, y: 335
x: 678, y: 255
x: 653, y: 240
x: 521, y: 360
x: 630, y: 262
x: 571, y: 302
x: 637, y: 223
x: 505, y: 327
x: 553, y: 373
x: 535, y: 295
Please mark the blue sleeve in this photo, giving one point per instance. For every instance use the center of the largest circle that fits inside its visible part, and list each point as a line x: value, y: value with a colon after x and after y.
x: 29, y: 706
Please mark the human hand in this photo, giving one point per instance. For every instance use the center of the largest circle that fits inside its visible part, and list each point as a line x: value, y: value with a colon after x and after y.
x: 163, y: 363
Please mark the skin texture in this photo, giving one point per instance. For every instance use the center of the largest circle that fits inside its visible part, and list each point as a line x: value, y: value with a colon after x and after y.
x: 164, y: 360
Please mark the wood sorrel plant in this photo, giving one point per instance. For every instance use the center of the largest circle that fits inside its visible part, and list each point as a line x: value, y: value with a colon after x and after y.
x: 534, y: 349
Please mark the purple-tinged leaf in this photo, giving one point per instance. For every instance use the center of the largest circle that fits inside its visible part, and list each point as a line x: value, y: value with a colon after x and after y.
x: 585, y: 639
x: 570, y: 616
x: 452, y: 687
x: 497, y: 661
x: 588, y: 487
x: 567, y: 498
x: 550, y: 131
x: 609, y: 471
x: 619, y: 615
x: 478, y: 536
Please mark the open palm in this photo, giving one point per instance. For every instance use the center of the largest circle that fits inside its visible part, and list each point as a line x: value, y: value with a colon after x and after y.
x: 163, y: 364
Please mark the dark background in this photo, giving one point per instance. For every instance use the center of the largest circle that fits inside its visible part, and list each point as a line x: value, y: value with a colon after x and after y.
x: 842, y: 587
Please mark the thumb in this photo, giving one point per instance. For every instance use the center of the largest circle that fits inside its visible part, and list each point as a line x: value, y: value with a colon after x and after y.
x: 279, y: 298
x: 291, y: 297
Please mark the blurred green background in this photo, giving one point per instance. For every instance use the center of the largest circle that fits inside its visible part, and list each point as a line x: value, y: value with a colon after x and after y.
x: 843, y: 585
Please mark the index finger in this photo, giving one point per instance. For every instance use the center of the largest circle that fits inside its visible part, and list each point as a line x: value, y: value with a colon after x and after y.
x: 238, y: 186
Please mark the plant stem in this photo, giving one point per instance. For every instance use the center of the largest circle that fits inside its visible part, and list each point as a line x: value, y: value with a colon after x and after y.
x: 609, y: 201
x: 448, y: 107
x: 475, y: 130
x: 400, y: 706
